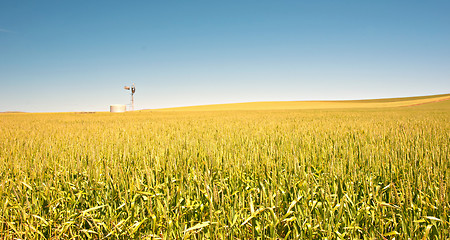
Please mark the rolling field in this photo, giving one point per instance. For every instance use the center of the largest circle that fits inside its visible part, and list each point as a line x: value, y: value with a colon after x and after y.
x: 300, y: 105
x: 368, y: 169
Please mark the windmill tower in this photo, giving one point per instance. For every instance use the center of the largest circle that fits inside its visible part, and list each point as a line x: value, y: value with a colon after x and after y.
x: 133, y: 90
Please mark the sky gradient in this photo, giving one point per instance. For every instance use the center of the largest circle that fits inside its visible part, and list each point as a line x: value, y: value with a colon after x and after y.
x: 77, y: 55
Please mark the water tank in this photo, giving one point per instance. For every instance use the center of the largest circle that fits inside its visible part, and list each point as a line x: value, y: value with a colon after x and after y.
x: 117, y: 108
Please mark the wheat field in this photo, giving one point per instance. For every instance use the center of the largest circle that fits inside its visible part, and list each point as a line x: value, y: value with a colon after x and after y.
x: 304, y: 105
x: 362, y: 172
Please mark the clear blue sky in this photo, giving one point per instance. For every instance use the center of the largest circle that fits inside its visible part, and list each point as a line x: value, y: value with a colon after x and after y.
x: 78, y: 55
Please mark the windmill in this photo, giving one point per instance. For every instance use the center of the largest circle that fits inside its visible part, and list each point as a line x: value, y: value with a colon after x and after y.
x: 133, y: 90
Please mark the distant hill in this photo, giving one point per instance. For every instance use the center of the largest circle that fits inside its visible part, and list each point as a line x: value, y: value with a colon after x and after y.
x: 344, y: 104
x: 12, y: 112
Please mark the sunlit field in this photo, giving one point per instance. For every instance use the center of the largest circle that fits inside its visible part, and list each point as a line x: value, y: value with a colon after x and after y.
x: 359, y: 172
x: 300, y: 105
